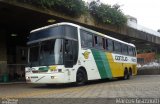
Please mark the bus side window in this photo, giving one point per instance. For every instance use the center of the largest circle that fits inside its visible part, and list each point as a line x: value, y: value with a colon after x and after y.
x: 82, y: 38
x: 68, y: 50
x: 130, y: 50
x: 134, y: 51
x: 106, y: 44
x: 71, y: 51
x: 103, y: 42
x: 124, y: 49
x: 117, y: 47
x: 75, y: 51
x: 86, y: 39
x: 89, y: 40
x: 99, y: 42
x: 110, y: 45
x: 95, y: 41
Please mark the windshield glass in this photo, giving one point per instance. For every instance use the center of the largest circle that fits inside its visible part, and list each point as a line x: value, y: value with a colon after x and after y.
x: 34, y: 54
x: 48, y: 52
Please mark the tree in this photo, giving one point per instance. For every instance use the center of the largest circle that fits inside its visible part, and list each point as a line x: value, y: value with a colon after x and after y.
x: 107, y: 14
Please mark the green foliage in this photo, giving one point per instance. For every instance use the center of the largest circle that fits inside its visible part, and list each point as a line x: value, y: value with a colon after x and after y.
x: 70, y: 7
x: 107, y: 14
x: 103, y: 13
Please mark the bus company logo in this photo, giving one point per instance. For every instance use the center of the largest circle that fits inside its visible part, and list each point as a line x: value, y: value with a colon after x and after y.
x: 121, y: 58
x: 52, y: 68
x: 86, y: 54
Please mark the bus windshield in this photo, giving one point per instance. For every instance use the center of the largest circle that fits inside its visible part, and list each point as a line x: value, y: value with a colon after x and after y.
x: 49, y: 52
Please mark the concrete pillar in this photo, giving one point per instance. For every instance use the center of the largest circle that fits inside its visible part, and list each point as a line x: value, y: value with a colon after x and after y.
x: 3, y: 53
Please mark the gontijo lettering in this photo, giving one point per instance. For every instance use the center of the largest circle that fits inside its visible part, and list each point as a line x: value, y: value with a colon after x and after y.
x: 121, y: 58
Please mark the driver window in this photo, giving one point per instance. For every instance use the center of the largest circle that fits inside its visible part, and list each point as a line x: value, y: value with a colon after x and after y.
x: 68, y: 50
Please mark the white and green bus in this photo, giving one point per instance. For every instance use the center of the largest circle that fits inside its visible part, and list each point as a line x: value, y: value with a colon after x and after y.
x: 66, y: 53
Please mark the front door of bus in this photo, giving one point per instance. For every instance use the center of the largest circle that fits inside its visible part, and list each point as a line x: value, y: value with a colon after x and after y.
x: 70, y: 56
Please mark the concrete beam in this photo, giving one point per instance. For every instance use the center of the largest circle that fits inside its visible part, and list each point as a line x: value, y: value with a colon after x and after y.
x: 87, y: 20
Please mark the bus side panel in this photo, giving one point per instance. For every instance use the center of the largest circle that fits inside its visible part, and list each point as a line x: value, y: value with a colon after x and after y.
x: 87, y: 61
x: 134, y: 70
x: 105, y: 64
x: 102, y: 64
x: 116, y: 68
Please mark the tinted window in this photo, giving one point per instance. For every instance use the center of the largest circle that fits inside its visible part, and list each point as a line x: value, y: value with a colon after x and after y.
x: 134, y: 51
x: 34, y: 54
x: 103, y: 41
x: 71, y: 51
x: 63, y: 31
x: 46, y: 53
x: 130, y: 50
x: 86, y: 39
x: 51, y: 52
x: 98, y: 42
x: 117, y: 47
x: 75, y: 51
x: 124, y: 49
x: 109, y: 45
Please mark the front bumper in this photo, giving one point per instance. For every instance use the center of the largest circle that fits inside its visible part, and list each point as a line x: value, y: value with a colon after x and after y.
x: 48, y: 78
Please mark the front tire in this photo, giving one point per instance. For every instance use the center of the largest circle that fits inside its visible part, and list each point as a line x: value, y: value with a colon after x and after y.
x: 81, y: 77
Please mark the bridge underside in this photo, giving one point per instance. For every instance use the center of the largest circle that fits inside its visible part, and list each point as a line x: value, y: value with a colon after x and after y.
x: 21, y: 20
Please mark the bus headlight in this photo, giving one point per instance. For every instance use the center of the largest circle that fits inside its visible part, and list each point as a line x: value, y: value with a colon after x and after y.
x: 27, y: 69
x: 27, y: 78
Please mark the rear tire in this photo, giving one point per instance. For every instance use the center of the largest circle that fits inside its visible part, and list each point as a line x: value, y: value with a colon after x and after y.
x: 126, y: 75
x: 81, y: 77
x: 130, y: 73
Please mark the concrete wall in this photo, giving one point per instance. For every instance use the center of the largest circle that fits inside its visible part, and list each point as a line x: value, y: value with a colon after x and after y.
x: 3, y: 52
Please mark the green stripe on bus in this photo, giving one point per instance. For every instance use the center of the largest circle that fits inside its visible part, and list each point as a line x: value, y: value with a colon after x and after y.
x: 99, y: 64
x: 106, y: 64
x: 102, y: 64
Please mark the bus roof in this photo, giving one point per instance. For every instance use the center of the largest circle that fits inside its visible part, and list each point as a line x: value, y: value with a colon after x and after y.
x: 53, y: 25
x: 81, y: 27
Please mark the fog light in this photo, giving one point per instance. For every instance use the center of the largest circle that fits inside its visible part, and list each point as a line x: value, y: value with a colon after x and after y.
x: 52, y: 77
x: 27, y: 77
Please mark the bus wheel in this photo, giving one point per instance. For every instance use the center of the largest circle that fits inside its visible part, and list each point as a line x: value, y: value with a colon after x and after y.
x: 81, y: 77
x: 126, y: 75
x: 130, y: 72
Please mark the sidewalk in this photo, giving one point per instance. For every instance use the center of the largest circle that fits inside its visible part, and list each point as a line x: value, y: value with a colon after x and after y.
x: 18, y: 82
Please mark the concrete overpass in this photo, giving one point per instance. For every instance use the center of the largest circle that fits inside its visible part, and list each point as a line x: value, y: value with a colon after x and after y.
x: 23, y: 17
x: 18, y: 19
